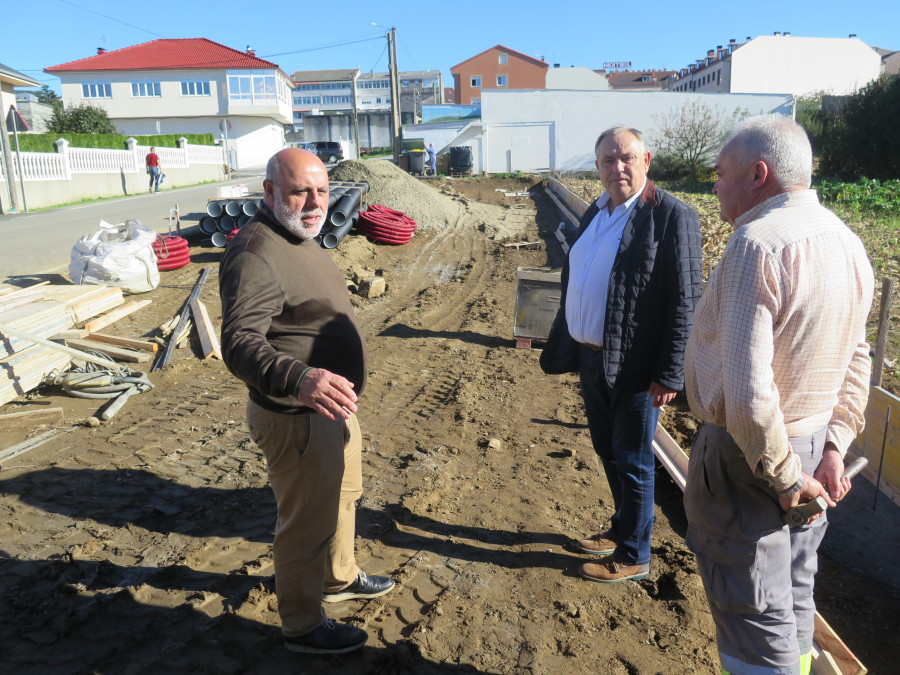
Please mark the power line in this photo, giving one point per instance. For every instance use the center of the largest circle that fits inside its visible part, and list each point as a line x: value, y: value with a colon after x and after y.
x: 314, y: 49
x: 105, y: 16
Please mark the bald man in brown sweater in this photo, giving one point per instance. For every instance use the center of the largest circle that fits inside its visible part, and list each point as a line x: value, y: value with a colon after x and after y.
x: 289, y: 332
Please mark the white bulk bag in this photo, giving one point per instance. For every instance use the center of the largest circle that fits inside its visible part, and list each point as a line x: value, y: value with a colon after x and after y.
x: 116, y: 255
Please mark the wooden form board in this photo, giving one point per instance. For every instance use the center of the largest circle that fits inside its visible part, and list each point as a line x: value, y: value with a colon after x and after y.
x: 870, y: 442
x: 675, y: 461
x: 205, y: 329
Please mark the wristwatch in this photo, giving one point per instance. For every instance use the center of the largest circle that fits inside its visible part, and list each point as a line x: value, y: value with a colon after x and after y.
x: 791, y: 491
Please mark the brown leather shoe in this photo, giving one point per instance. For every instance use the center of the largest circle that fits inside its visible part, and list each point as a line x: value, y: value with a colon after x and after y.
x: 599, y: 544
x: 608, y: 571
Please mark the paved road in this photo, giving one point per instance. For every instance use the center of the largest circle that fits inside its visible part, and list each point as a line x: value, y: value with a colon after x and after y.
x: 40, y: 243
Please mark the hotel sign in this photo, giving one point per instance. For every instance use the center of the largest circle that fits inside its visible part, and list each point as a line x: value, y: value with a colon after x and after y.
x: 616, y: 65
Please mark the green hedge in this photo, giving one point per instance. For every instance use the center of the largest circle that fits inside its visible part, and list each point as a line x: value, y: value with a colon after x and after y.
x: 47, y: 142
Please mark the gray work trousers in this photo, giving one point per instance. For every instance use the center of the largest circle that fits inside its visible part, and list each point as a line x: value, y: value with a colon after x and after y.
x: 757, y: 572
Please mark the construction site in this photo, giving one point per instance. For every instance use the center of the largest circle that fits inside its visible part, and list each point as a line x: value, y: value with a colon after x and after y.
x: 141, y: 542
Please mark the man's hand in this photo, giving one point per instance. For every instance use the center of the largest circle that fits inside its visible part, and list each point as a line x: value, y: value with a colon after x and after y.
x: 660, y: 394
x: 830, y: 473
x: 328, y: 394
x: 810, y: 490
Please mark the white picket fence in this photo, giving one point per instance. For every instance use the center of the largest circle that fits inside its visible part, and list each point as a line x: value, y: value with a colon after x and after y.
x: 60, y: 165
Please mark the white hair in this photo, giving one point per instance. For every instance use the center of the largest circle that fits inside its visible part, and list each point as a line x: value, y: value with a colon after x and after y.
x: 622, y: 129
x: 779, y: 142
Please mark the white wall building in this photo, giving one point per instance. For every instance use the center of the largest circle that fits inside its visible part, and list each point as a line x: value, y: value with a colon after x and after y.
x: 782, y: 64
x: 185, y: 86
x: 540, y: 130
x: 576, y: 78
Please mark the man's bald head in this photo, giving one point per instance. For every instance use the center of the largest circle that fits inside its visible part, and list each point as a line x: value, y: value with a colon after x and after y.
x: 296, y: 190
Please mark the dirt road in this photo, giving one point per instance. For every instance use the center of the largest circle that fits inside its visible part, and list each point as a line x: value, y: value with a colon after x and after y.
x: 144, y: 545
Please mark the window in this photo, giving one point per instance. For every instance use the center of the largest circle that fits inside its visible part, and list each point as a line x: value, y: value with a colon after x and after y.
x: 96, y: 90
x: 335, y: 99
x: 145, y: 88
x: 475, y: 82
x: 501, y: 59
x: 501, y: 80
x: 195, y: 87
x: 475, y: 101
x: 298, y: 115
x: 251, y: 89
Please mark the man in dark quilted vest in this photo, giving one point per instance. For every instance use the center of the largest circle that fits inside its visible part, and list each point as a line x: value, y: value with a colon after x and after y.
x: 629, y: 287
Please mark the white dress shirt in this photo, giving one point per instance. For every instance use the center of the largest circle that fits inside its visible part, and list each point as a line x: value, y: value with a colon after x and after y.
x: 590, y: 264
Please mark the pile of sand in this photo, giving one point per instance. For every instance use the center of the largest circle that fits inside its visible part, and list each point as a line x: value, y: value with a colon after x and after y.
x: 392, y: 187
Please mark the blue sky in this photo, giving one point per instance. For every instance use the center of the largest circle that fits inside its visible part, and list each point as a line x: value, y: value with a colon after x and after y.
x: 430, y: 35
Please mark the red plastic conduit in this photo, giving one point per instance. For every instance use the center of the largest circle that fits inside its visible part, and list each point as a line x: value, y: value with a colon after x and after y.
x: 385, y: 225
x: 172, y: 253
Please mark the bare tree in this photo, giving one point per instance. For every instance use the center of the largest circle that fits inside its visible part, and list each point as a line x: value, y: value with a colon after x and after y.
x: 692, y: 135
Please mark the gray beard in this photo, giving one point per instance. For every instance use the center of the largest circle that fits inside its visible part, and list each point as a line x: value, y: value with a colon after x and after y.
x: 293, y: 221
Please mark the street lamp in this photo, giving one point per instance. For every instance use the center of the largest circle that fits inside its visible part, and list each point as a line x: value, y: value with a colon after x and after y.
x: 395, y: 88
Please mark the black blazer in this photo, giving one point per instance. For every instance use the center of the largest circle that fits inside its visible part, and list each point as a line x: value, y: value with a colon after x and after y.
x: 653, y: 287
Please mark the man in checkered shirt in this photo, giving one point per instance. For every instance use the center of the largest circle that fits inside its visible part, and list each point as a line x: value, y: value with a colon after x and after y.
x: 777, y: 367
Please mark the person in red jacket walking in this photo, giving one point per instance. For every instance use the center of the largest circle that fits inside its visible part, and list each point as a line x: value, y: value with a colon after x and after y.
x: 154, y: 169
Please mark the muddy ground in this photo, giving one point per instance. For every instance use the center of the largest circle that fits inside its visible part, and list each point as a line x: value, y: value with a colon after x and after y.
x: 144, y: 545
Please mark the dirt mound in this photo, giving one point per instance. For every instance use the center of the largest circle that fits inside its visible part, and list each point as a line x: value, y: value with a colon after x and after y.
x: 434, y: 210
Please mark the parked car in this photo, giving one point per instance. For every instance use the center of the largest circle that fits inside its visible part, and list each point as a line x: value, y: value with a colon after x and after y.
x: 328, y: 151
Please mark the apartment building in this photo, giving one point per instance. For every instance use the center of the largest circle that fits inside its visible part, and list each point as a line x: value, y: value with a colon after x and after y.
x: 781, y: 63
x: 497, y: 68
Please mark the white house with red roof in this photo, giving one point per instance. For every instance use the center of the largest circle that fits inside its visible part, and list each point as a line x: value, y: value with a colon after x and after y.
x: 191, y: 85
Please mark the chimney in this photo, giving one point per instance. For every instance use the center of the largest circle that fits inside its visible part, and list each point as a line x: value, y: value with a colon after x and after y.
x: 731, y: 41
x: 711, y: 53
x: 787, y: 34
x: 853, y: 35
x: 100, y: 50
x: 777, y: 33
x: 556, y: 65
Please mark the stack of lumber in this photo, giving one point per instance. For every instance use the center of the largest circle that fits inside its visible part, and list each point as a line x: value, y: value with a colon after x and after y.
x: 43, y: 311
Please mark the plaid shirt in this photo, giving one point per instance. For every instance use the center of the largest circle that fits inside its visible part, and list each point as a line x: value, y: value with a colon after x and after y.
x: 778, y: 347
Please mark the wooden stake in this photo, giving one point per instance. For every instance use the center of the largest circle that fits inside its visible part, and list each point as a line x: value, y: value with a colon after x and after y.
x: 884, y: 320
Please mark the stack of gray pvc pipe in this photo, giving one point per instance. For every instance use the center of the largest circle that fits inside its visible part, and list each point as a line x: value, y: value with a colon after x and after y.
x: 224, y: 215
x: 345, y: 201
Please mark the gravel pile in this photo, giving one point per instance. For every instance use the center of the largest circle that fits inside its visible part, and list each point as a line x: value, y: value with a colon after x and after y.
x: 392, y: 187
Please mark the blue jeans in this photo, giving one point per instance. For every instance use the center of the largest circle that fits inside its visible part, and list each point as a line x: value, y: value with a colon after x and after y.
x: 622, y: 427
x: 154, y: 177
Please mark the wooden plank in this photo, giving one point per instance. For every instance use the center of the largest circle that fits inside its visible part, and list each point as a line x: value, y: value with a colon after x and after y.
x: 42, y: 416
x: 870, y: 442
x: 205, y: 329
x: 133, y: 343
x: 117, y: 353
x: 47, y: 343
x: 829, y: 641
x: 823, y: 663
x: 114, y: 315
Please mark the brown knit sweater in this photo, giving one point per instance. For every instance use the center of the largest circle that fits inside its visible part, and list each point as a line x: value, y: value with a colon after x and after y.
x: 285, y: 306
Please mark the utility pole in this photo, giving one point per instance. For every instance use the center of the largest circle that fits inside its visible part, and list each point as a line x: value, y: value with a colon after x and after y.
x: 395, y: 92
x: 13, y: 205
x: 355, y: 115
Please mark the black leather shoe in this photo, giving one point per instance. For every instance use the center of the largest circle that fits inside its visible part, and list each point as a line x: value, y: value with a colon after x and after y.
x: 363, y: 586
x: 329, y: 638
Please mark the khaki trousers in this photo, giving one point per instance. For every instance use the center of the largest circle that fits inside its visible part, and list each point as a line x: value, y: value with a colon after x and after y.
x: 315, y: 470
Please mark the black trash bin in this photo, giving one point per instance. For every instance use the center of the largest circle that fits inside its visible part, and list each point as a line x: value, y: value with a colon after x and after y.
x: 417, y: 161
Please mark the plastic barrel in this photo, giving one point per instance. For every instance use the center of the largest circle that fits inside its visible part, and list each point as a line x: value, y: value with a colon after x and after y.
x: 226, y: 223
x: 214, y: 209
x: 208, y: 224
x: 234, y: 208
